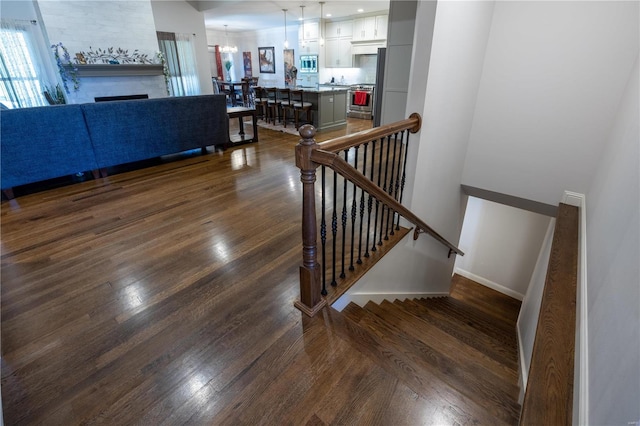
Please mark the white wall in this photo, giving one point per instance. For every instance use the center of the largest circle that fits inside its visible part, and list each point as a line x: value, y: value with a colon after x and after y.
x: 613, y: 256
x: 82, y: 25
x: 502, y: 244
x: 530, y: 308
x: 180, y: 17
x: 446, y: 104
x: 553, y: 75
x: 249, y: 41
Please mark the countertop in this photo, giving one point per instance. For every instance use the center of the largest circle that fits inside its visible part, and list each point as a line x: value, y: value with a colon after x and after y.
x: 322, y: 89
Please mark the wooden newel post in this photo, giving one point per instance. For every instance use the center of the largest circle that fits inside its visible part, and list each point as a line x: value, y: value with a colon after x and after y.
x: 310, y: 299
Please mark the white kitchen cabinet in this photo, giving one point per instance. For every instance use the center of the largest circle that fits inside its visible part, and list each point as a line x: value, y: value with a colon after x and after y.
x: 380, y: 30
x: 370, y: 28
x: 338, y: 53
x: 308, y: 31
x: 338, y: 29
x: 309, y: 47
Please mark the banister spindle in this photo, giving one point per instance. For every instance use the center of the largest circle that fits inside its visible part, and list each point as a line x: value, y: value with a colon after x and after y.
x: 311, y: 300
x: 404, y: 173
x: 370, y: 199
x: 384, y: 188
x: 323, y: 232
x: 364, y: 172
x: 344, y: 217
x: 354, y: 209
x: 375, y: 221
x: 334, y: 228
x: 392, y: 213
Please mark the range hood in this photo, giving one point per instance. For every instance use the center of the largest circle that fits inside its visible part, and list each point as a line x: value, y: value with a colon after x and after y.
x: 367, y: 47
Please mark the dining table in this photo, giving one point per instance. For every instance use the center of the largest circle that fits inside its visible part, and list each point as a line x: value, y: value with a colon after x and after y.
x: 231, y: 89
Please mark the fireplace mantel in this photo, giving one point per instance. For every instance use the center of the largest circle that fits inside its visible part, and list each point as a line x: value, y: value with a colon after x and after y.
x: 118, y: 70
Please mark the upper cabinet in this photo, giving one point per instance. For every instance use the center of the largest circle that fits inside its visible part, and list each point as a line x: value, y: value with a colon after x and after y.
x: 338, y: 29
x: 338, y: 53
x: 370, y: 28
x: 309, y: 47
x: 308, y: 31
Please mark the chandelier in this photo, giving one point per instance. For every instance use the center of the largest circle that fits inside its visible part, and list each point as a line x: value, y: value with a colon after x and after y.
x: 227, y: 48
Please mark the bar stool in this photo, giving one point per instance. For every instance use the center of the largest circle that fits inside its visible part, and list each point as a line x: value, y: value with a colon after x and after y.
x: 261, y: 102
x: 299, y: 105
x: 285, y: 104
x: 273, y: 104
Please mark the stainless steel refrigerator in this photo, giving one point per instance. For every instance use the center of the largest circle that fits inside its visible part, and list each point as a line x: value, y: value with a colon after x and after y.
x: 377, y: 104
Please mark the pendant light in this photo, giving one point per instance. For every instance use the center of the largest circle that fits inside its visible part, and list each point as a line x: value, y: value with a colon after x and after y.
x: 302, y: 19
x: 286, y: 42
x: 321, y: 17
x: 227, y: 48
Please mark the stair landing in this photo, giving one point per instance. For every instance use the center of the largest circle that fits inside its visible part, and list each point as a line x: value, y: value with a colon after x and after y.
x: 459, y: 352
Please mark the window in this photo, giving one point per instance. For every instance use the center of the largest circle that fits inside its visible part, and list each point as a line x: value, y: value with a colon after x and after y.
x: 179, y: 52
x: 20, y: 77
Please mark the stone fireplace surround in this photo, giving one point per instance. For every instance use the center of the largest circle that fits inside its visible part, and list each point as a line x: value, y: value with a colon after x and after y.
x: 102, y: 80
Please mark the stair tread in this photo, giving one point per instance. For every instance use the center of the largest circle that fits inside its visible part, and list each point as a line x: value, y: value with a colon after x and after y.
x: 475, y: 319
x: 467, y: 354
x: 491, y: 302
x: 431, y: 358
x: 353, y: 312
x: 483, y: 343
x: 424, y: 382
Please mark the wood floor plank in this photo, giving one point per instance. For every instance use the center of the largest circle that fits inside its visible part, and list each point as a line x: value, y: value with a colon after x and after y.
x: 164, y: 295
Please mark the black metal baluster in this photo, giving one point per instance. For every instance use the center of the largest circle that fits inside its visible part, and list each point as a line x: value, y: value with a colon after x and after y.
x: 392, y: 213
x: 375, y: 221
x: 364, y: 172
x: 323, y: 235
x: 370, y: 200
x: 344, y: 216
x: 384, y: 188
x: 334, y: 227
x: 404, y: 173
x: 353, y: 211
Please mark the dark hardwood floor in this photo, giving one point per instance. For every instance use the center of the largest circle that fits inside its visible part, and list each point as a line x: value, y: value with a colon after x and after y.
x: 164, y: 295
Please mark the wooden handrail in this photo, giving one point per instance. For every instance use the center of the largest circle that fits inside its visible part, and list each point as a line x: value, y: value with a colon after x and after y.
x: 343, y: 168
x: 548, y: 398
x: 413, y: 124
x: 309, y: 156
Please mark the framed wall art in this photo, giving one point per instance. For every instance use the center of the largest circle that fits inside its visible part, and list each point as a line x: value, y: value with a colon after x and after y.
x: 289, y: 67
x: 266, y: 56
x: 246, y: 61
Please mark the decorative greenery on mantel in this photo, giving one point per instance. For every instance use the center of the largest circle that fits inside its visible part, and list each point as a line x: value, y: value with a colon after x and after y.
x: 118, y: 70
x: 112, y: 56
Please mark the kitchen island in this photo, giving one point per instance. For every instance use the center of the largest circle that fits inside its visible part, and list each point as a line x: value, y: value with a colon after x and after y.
x: 329, y: 106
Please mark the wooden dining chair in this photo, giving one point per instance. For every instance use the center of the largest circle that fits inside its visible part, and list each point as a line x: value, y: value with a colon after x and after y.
x: 284, y: 95
x: 273, y: 104
x: 299, y: 105
x: 261, y: 102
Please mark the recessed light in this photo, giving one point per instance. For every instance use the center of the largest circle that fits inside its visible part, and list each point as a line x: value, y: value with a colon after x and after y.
x: 328, y: 15
x: 360, y: 10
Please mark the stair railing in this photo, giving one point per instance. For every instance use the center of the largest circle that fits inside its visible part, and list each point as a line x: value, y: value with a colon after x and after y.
x: 373, y: 183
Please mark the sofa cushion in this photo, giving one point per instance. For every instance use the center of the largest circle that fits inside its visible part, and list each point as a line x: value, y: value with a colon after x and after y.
x: 127, y: 131
x: 42, y: 143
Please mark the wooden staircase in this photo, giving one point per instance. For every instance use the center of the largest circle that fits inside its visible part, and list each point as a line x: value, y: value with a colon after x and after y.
x: 461, y: 349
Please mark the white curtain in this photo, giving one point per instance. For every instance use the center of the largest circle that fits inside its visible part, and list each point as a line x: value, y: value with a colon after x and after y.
x: 23, y: 73
x: 188, y: 64
x: 180, y: 54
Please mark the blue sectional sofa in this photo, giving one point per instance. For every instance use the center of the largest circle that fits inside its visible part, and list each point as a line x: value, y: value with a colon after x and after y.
x: 47, y: 142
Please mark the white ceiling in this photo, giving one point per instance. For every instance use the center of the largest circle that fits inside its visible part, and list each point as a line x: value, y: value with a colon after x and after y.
x: 244, y: 15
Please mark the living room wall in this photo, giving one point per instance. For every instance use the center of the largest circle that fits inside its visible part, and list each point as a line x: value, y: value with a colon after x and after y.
x: 180, y: 17
x: 81, y: 26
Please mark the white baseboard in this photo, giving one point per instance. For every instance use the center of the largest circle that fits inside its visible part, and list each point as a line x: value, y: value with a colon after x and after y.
x: 362, y: 299
x: 488, y: 283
